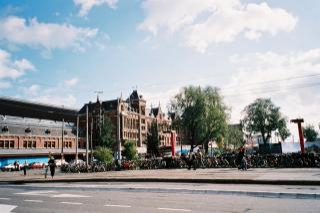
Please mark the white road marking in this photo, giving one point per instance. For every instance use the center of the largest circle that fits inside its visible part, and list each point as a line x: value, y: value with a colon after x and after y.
x: 4, y: 198
x: 34, y: 201
x: 169, y: 209
x: 120, y: 206
x: 6, y: 208
x: 37, y: 193
x: 71, y: 203
x: 69, y: 196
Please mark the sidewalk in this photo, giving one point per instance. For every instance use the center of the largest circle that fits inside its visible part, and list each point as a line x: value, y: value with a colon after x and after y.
x: 292, y: 176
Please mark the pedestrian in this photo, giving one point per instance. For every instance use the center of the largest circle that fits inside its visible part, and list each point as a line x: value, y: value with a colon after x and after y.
x: 45, y: 171
x: 192, y: 161
x: 25, y: 166
x: 242, y: 164
x: 52, y: 166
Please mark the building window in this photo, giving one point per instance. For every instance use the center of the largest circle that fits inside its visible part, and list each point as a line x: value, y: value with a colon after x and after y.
x: 11, y: 144
x: 1, y: 144
x: 25, y: 144
x: 53, y: 144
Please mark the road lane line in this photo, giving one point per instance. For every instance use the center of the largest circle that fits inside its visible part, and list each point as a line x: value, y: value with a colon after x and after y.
x: 4, y: 198
x: 120, y: 206
x: 71, y: 203
x: 169, y: 209
x: 34, y: 201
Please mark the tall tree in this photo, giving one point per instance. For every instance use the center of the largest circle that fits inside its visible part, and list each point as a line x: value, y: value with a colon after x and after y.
x: 263, y: 117
x: 153, y: 140
x: 107, y: 138
x: 202, y: 114
x: 310, y: 133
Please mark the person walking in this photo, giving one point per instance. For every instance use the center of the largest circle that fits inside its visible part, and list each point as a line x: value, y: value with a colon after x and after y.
x: 52, y: 166
x: 25, y: 166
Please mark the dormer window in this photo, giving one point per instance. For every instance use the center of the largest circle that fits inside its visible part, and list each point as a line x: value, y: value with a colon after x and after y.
x: 65, y: 132
x: 47, y: 131
x: 5, y: 129
x: 27, y: 130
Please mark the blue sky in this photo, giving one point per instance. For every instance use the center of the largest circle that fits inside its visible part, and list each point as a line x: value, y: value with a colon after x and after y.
x: 61, y: 51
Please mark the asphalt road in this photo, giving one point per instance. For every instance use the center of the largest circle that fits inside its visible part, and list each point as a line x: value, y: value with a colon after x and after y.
x: 52, y: 198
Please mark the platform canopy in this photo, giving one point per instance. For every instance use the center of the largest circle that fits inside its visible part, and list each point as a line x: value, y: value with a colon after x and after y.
x: 15, y: 107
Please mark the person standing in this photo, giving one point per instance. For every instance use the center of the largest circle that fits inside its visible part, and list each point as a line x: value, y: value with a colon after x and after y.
x: 52, y: 166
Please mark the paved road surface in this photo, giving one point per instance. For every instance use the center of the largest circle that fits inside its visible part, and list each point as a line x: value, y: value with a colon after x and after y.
x: 57, y: 198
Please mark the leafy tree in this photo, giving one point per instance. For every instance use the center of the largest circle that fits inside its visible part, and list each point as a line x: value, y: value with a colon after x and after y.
x: 103, y: 154
x: 263, y: 117
x: 130, y: 150
x: 202, y: 114
x: 153, y: 140
x: 106, y: 137
x: 235, y: 136
x: 310, y: 133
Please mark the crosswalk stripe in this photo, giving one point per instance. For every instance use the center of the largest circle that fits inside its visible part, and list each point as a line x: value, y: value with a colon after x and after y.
x: 34, y: 201
x: 6, y: 208
x: 4, y: 198
x: 71, y: 203
x: 169, y: 209
x: 121, y: 206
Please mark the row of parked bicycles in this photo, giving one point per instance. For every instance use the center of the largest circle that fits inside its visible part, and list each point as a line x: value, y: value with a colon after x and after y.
x: 229, y: 160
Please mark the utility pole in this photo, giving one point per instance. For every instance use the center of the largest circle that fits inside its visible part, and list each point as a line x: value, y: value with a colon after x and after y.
x: 118, y: 131
x: 77, y: 139
x: 62, y: 140
x: 87, y: 134
x: 91, y: 159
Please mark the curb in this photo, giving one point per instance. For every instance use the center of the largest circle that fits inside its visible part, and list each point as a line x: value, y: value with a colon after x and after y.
x: 169, y: 180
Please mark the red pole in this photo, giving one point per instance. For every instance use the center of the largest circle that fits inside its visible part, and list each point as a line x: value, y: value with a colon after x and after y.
x: 173, y: 143
x: 301, y: 137
x: 299, y: 121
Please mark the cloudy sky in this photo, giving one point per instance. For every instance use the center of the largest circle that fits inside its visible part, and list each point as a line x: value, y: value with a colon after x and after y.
x: 62, y: 51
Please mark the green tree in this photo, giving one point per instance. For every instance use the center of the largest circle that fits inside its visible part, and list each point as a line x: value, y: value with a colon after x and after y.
x: 310, y: 133
x: 103, y: 154
x: 284, y: 132
x: 202, y: 114
x: 235, y: 136
x: 106, y: 137
x: 153, y: 140
x: 263, y: 117
x: 130, y: 150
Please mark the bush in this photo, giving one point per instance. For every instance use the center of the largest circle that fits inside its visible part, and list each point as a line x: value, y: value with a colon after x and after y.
x: 103, y: 154
x: 130, y: 150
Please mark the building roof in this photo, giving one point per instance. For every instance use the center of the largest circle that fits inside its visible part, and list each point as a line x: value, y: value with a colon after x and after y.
x: 106, y: 105
x: 15, y: 107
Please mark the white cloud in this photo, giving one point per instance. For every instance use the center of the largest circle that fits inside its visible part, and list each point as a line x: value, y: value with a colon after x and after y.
x: 66, y: 100
x: 12, y: 69
x: 86, y: 5
x: 49, y: 36
x: 71, y: 82
x: 5, y: 84
x: 291, y: 80
x: 32, y: 90
x: 205, y: 22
